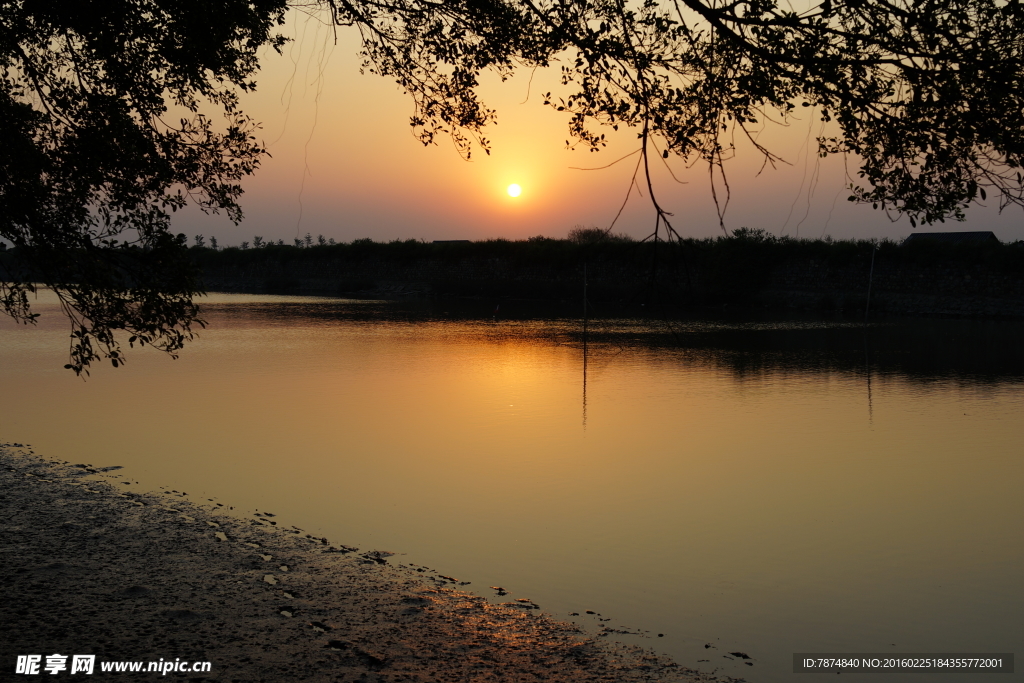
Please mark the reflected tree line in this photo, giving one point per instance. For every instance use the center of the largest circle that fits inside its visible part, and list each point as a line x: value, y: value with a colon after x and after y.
x: 747, y: 343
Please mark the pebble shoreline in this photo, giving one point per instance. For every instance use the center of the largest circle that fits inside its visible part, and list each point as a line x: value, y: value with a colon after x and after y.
x: 90, y: 569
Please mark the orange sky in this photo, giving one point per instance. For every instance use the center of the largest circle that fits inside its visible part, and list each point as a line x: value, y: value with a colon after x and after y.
x: 345, y: 164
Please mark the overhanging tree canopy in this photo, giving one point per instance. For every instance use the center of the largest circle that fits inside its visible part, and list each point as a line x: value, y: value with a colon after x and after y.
x: 101, y: 138
x: 925, y: 95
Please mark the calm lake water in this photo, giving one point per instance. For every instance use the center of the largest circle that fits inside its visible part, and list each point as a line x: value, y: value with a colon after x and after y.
x: 767, y: 486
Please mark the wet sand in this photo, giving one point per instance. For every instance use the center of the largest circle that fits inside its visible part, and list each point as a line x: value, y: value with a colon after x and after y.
x: 88, y: 568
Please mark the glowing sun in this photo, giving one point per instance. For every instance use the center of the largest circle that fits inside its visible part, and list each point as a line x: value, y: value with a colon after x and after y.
x: 514, y: 190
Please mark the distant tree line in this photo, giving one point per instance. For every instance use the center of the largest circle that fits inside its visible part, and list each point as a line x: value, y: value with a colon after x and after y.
x: 750, y: 248
x: 731, y: 269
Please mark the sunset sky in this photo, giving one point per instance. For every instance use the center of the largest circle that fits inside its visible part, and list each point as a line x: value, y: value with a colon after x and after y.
x: 346, y: 165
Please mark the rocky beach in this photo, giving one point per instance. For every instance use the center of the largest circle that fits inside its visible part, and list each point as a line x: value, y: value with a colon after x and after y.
x: 125, y: 577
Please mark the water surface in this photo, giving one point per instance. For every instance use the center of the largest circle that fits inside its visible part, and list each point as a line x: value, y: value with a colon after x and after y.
x: 758, y: 485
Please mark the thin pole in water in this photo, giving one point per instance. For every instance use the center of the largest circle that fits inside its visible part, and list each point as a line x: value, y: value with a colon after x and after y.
x: 585, y: 344
x: 584, y: 304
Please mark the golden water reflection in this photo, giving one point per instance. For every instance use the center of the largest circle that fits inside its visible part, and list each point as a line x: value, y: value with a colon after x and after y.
x: 751, y: 506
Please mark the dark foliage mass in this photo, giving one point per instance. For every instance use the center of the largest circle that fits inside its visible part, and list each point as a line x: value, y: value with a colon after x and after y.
x: 101, y: 135
x: 101, y: 138
x: 927, y: 96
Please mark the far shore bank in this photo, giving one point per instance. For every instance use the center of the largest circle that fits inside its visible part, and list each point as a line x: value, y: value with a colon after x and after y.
x: 93, y: 570
x: 751, y: 270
